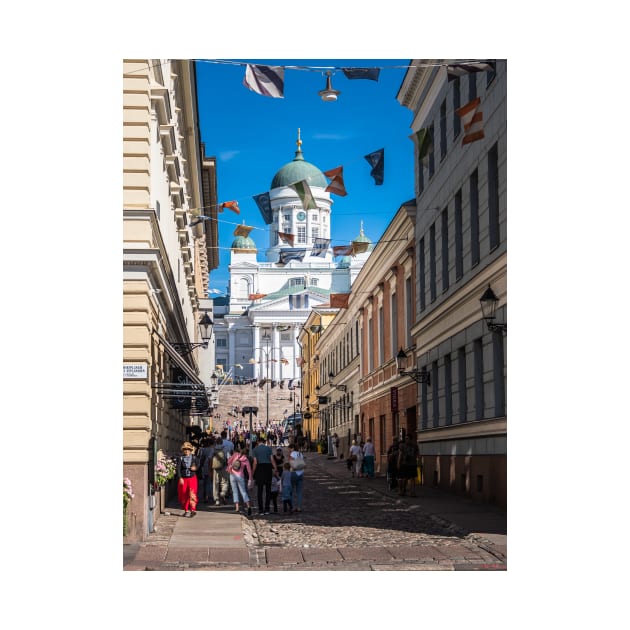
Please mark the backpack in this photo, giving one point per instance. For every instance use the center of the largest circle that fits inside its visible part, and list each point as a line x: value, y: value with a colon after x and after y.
x: 409, y: 456
x: 218, y: 460
x: 236, y: 464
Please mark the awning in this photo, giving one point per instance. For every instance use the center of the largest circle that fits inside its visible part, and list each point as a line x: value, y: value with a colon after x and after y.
x: 179, y: 361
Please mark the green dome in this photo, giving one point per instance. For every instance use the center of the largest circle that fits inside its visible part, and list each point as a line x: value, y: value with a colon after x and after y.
x: 243, y: 242
x: 296, y: 171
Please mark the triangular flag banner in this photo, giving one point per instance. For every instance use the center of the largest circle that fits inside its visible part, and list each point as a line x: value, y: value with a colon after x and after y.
x: 425, y: 144
x: 291, y: 254
x: 299, y: 361
x: 377, y: 161
x: 320, y: 247
x: 285, y: 361
x: 362, y: 73
x: 339, y: 300
x: 358, y: 247
x: 336, y: 186
x: 231, y: 205
x: 242, y: 230
x: 265, y: 80
x: 257, y: 296
x: 458, y: 69
x: 472, y: 120
x: 304, y: 193
x: 287, y: 238
x: 263, y: 201
x: 342, y: 250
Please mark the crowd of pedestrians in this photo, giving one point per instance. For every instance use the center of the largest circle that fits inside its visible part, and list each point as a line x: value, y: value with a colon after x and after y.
x: 215, y: 468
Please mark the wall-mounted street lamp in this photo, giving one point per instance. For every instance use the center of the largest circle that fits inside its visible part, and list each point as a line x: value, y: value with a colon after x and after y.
x: 420, y: 376
x: 489, y: 303
x: 341, y: 388
x: 205, y: 324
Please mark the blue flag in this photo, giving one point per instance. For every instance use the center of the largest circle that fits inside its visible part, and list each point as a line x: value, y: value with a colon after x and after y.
x: 377, y: 161
x: 362, y: 73
x: 263, y: 201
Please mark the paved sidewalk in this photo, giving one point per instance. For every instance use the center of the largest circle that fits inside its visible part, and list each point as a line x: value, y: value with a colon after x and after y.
x: 215, y: 537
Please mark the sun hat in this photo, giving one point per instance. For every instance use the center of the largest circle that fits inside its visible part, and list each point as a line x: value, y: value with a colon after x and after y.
x: 187, y: 445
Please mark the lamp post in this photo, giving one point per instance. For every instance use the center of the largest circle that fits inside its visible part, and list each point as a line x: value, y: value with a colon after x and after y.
x: 205, y: 324
x: 489, y: 303
x: 420, y: 376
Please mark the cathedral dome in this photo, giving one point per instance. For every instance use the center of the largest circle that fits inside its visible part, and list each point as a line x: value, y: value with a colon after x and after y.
x: 298, y: 170
x: 243, y: 242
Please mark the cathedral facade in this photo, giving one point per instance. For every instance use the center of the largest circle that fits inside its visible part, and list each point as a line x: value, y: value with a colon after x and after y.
x: 269, y: 300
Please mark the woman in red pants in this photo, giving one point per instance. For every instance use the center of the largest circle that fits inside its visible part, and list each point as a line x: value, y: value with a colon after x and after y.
x: 187, y: 465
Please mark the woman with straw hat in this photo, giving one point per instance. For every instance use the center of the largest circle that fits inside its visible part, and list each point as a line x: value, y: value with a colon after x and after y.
x: 187, y: 465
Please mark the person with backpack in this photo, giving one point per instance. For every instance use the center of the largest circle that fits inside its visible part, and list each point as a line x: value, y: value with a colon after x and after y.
x: 238, y: 467
x: 407, y: 466
x: 220, y: 482
x: 204, y: 472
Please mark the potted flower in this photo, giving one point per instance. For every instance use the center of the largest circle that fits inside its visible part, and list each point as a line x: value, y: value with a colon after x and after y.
x: 127, y: 496
x: 165, y: 468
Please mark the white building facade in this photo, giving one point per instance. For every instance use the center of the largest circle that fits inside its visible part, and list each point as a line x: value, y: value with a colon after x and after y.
x: 257, y: 337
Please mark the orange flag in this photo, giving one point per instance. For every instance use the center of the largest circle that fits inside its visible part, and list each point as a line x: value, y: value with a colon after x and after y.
x: 339, y: 300
x: 231, y: 205
x: 256, y: 296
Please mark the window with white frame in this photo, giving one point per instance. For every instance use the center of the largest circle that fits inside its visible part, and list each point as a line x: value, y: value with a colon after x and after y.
x: 301, y: 234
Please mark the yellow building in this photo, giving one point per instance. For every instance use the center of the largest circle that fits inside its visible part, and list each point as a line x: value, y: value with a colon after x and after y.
x: 167, y: 255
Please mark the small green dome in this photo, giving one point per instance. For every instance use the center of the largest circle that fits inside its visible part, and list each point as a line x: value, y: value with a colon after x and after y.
x: 297, y: 170
x: 243, y: 242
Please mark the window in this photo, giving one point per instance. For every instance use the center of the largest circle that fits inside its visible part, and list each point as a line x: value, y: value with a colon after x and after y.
x: 478, y: 358
x: 381, y: 336
x: 314, y: 217
x: 370, y: 354
x: 420, y: 177
x: 493, y: 196
x: 445, y: 250
x: 457, y: 103
x: 382, y: 435
x: 424, y: 405
x: 422, y: 274
x: 435, y: 394
x: 497, y: 369
x: 394, y: 324
x: 296, y: 282
x: 286, y: 218
x: 314, y: 234
x: 314, y: 282
x: 461, y: 383
x: 443, y: 130
x: 490, y: 74
x: 157, y: 209
x: 221, y: 342
x: 432, y: 287
x: 448, y: 394
x: 459, y: 238
x: 431, y: 154
x: 410, y: 320
x: 301, y: 234
x: 472, y: 86
x: 474, y: 218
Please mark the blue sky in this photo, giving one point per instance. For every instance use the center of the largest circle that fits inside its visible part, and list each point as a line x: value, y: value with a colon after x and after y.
x: 253, y: 136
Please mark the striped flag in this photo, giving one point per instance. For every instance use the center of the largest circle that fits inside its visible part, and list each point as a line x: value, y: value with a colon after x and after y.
x: 231, y: 205
x: 358, y: 247
x: 336, y: 185
x: 291, y: 254
x: 265, y: 80
x: 320, y: 247
x: 342, y: 250
x: 472, y: 120
x: 304, y: 193
x: 458, y: 69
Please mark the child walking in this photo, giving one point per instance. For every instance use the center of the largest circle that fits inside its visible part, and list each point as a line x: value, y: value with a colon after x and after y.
x: 287, y: 491
x: 275, y: 489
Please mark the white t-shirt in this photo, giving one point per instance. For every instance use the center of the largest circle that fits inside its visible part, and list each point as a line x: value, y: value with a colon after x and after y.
x: 297, y: 455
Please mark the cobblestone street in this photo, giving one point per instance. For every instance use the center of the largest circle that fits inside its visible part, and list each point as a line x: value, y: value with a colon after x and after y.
x: 346, y: 524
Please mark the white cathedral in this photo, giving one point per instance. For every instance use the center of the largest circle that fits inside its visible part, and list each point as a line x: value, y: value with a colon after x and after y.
x: 257, y: 338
